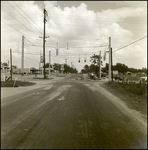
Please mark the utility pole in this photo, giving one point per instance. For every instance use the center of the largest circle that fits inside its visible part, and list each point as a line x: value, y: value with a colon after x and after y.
x: 11, y: 62
x: 109, y: 58
x: 22, y: 58
x: 44, y: 42
x: 66, y: 65
x: 100, y: 65
x: 57, y: 50
x: 111, y: 65
x: 49, y: 64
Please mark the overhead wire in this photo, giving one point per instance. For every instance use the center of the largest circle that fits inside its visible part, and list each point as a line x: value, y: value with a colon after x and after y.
x: 93, y: 18
x: 25, y: 19
x: 130, y: 44
x: 11, y: 27
x: 31, y: 58
x: 23, y: 16
x: 86, y: 26
x: 29, y: 17
x: 19, y: 22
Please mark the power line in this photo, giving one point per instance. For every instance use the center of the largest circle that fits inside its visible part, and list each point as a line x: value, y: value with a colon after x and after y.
x: 31, y: 58
x: 86, y: 18
x: 85, y: 26
x: 31, y: 20
x: 91, y: 46
x: 93, y: 18
x: 11, y: 26
x: 25, y: 18
x: 20, y: 22
x: 130, y: 44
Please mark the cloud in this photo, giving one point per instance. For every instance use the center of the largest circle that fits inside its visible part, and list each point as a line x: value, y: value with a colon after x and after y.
x: 133, y: 4
x: 72, y: 24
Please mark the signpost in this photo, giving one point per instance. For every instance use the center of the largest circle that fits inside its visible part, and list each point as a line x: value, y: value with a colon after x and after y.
x: 62, y: 68
x: 14, y: 82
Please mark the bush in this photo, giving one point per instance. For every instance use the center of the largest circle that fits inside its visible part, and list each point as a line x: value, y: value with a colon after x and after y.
x: 138, y: 89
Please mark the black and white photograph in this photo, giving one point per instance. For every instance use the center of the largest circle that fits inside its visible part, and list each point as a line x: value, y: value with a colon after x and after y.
x: 73, y: 74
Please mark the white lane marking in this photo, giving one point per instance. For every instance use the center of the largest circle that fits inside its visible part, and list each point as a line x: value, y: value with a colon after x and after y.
x: 61, y: 98
x: 9, y: 127
x: 48, y: 87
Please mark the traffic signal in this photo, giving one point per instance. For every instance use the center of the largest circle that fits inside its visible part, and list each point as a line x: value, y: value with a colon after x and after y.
x: 79, y: 60
x: 85, y: 60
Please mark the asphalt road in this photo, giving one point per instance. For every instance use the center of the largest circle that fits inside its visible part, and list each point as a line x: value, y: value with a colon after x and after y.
x: 67, y: 114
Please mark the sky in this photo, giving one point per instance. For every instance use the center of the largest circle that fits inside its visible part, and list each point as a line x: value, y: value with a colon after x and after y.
x: 83, y: 26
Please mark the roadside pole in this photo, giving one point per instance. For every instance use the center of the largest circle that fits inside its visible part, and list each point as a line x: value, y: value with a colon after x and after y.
x: 44, y: 43
x: 49, y: 64
x: 22, y: 58
x: 111, y: 64
x: 109, y: 58
x: 100, y: 66
x: 66, y: 65
x: 11, y: 62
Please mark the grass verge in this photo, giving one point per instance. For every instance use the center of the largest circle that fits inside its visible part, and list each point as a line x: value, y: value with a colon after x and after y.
x: 134, y: 95
x: 16, y: 84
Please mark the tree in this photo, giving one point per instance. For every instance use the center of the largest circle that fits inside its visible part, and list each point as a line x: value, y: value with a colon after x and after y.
x: 105, y: 69
x: 96, y: 59
x: 86, y: 69
x: 14, y: 66
x: 122, y: 68
x: 55, y: 66
x: 5, y: 64
x: 47, y: 65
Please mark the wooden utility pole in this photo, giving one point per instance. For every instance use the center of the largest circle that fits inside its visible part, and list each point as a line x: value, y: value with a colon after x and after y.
x: 22, y: 70
x: 66, y: 65
x: 57, y: 50
x: 11, y: 63
x: 109, y: 58
x: 111, y: 65
x: 100, y: 65
x: 49, y: 64
x: 44, y: 43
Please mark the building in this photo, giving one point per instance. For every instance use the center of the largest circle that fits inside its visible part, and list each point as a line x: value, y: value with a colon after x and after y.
x: 19, y: 70
x: 115, y: 72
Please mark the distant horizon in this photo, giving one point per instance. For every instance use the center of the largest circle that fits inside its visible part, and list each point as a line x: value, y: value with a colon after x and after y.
x: 85, y: 25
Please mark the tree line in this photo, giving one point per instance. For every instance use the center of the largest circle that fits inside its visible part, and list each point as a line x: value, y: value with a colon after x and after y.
x: 121, y: 68
x: 58, y: 67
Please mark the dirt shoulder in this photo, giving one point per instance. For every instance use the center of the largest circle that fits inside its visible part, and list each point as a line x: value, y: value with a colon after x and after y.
x: 133, y: 101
